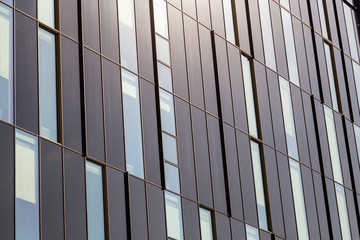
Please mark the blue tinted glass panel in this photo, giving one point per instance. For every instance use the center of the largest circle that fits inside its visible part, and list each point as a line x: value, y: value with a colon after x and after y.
x: 165, y: 79
x: 322, y: 18
x: 27, y: 186
x: 47, y: 83
x: 252, y: 233
x: 343, y: 212
x: 356, y: 68
x: 229, y: 21
x: 46, y: 12
x: 6, y: 64
x: 95, y: 204
x: 167, y: 112
x: 331, y: 76
x: 169, y: 147
x: 160, y: 14
x: 205, y: 224
x: 351, y: 32
x: 290, y: 46
x: 174, y: 216
x: 132, y: 124
x: 357, y: 138
x: 172, y: 178
x: 128, y: 50
x: 163, y: 50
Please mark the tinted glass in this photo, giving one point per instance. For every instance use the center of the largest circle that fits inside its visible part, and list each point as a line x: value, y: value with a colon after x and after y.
x: 164, y: 75
x: 343, y: 214
x: 132, y: 124
x: 95, y: 205
x: 288, y: 118
x: 322, y: 18
x: 128, y: 50
x: 351, y: 31
x: 162, y: 50
x: 46, y: 12
x: 174, y: 216
x: 169, y: 148
x: 267, y: 34
x: 160, y: 15
x: 290, y: 46
x: 331, y: 76
x: 249, y: 96
x: 167, y: 112
x: 229, y: 21
x: 356, y: 68
x: 259, y: 186
x: 251, y: 233
x: 47, y: 83
x: 27, y: 186
x: 357, y: 138
x: 6, y: 64
x: 333, y: 145
x: 205, y: 224
x: 172, y: 178
x: 299, y: 203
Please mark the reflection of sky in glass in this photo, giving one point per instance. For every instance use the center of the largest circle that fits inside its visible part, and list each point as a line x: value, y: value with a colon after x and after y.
x: 172, y: 178
x: 46, y: 10
x: 173, y: 216
x: 229, y: 21
x: 160, y: 14
x: 351, y: 32
x: 331, y: 76
x: 205, y: 224
x: 343, y: 214
x: 167, y: 112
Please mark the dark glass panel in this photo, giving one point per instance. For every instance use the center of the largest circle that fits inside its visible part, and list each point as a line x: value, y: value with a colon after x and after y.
x: 321, y: 207
x: 69, y: 18
x: 109, y: 29
x: 353, y: 142
x: 193, y: 62
x: 331, y: 198
x: 217, y: 17
x: 72, y: 125
x: 94, y: 106
x: 26, y: 73
x: 186, y: 155
x: 254, y: 16
x: 91, y: 24
x: 113, y: 115
x: 27, y: 6
x: 7, y: 200
x: 178, y: 52
x: 332, y: 22
x: 75, y: 208
x: 189, y: 7
x: 304, y: 11
x: 203, y: 12
x: 340, y: 80
x: 51, y: 191
x: 116, y: 204
x: 191, y: 220
x: 157, y: 228
x: 242, y: 25
x: 202, y: 157
x: 222, y: 226
x: 146, y: 67
x: 352, y: 214
x: 138, y: 209
x: 237, y: 229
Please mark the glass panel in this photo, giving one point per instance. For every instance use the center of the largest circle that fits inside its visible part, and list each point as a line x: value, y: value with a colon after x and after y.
x: 174, y: 216
x: 266, y: 29
x: 343, y: 214
x: 205, y: 224
x: 167, y: 112
x: 160, y: 15
x: 165, y: 79
x: 351, y: 31
x: 27, y: 186
x: 259, y: 187
x: 290, y: 46
x: 47, y: 84
x: 163, y: 50
x: 170, y: 149
x: 298, y: 196
x: 322, y: 18
x: 356, y: 68
x: 288, y: 118
x: 331, y: 76
x: 249, y: 96
x: 251, y: 233
x: 333, y: 146
x: 46, y: 11
x: 6, y: 64
x: 357, y: 138
x: 127, y: 29
x: 95, y: 204
x: 172, y: 178
x: 285, y: 3
x: 132, y: 124
x: 229, y: 21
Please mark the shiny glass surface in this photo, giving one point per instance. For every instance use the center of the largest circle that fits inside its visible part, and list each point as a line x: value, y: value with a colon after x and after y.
x: 356, y: 68
x: 167, y: 112
x: 160, y: 16
x: 165, y: 77
x: 343, y: 212
x: 251, y: 233
x: 46, y: 12
x: 174, y: 216
x: 205, y: 224
x: 322, y: 18
x: 170, y: 148
x: 163, y: 50
x: 351, y: 32
x: 229, y: 21
x: 330, y: 71
x: 172, y: 178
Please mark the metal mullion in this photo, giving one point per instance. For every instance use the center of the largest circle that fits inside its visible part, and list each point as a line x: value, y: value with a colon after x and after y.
x: 39, y: 162
x: 63, y: 190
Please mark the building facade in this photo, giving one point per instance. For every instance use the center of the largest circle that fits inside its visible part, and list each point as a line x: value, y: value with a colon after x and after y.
x: 179, y: 119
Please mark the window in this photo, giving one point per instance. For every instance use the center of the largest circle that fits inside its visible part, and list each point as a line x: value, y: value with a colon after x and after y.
x: 343, y: 214
x: 167, y: 112
x: 351, y: 31
x: 127, y: 34
x: 132, y: 124
x: 46, y: 10
x: 165, y: 77
x: 249, y: 97
x: 285, y: 3
x: 95, y: 204
x: 323, y: 18
x: 27, y: 186
x: 330, y: 71
x: 251, y: 233
x: 160, y: 14
x: 333, y: 146
x: 290, y: 46
x: 289, y: 124
x: 266, y: 29
x: 163, y: 50
x: 259, y: 186
x: 298, y: 196
x: 170, y: 148
x: 205, y: 224
x: 47, y: 85
x: 356, y: 68
x: 174, y: 216
x: 6, y: 64
x: 229, y: 21
x: 357, y: 139
x: 172, y: 178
